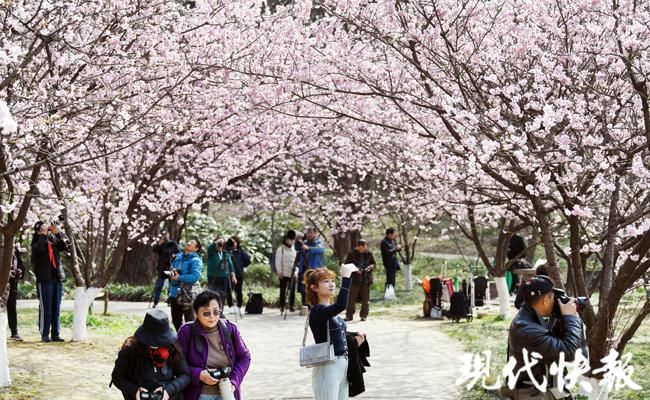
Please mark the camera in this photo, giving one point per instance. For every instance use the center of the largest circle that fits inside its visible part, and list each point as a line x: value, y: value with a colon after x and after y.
x: 151, y: 395
x: 221, y: 373
x: 560, y: 295
x: 229, y: 246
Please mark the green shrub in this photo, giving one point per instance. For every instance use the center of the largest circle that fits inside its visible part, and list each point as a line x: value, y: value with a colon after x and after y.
x: 124, y: 292
x: 259, y: 274
x: 27, y: 288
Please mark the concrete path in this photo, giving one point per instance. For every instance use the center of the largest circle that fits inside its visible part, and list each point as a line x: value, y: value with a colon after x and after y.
x: 410, y: 359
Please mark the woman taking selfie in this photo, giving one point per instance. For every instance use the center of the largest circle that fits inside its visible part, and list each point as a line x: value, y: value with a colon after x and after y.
x: 150, y: 364
x: 330, y: 382
x: 215, y: 352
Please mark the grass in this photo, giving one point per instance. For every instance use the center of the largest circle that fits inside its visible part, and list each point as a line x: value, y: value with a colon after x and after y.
x: 66, y: 370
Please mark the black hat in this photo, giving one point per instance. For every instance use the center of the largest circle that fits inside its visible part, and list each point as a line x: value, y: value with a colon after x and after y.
x: 37, y: 226
x: 537, y: 286
x: 155, y: 330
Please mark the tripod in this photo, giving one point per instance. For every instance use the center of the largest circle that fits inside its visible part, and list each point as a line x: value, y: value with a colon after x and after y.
x: 229, y: 294
x: 292, y: 282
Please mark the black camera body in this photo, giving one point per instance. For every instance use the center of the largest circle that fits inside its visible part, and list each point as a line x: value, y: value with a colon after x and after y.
x: 560, y: 295
x: 170, y: 272
x: 221, y: 373
x: 151, y: 395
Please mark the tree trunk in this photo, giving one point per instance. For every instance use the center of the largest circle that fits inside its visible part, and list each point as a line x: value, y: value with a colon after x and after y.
x: 5, y: 379
x: 56, y: 184
x: 6, y: 255
x: 532, y: 246
x: 547, y: 242
x: 138, y: 266
x: 598, y: 392
x: 408, y: 277
x: 83, y: 298
x: 175, y: 228
x: 504, y: 296
x: 344, y: 243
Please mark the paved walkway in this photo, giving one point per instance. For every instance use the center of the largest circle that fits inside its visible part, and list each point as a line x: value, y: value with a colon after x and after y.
x: 410, y: 359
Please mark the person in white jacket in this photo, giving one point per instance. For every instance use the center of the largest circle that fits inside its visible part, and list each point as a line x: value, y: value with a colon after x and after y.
x: 285, y: 257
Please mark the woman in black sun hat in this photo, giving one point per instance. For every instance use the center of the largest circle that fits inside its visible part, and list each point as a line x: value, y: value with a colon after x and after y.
x: 150, y: 364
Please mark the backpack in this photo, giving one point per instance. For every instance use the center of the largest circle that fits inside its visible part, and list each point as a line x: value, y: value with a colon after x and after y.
x: 459, y: 307
x: 255, y: 303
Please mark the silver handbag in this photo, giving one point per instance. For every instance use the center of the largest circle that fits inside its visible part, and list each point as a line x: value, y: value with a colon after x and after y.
x: 319, y: 353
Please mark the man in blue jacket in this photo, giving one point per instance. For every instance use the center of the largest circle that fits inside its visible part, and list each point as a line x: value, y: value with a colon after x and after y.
x: 188, y: 267
x: 314, y: 250
x: 310, y: 254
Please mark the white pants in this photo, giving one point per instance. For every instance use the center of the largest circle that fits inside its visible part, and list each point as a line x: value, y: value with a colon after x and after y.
x: 330, y: 382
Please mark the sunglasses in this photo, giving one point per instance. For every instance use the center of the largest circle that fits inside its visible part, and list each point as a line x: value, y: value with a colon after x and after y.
x: 215, y: 313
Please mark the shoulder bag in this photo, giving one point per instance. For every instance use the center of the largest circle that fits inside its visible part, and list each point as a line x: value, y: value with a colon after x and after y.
x: 316, y: 354
x: 186, y: 294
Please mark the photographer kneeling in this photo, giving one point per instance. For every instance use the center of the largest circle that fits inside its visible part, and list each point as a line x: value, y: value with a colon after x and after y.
x: 530, y: 330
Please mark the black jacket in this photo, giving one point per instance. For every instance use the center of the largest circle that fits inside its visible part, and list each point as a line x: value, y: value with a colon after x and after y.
x: 357, y: 363
x: 17, y: 269
x: 134, y: 369
x: 361, y: 261
x: 389, y: 253
x: 528, y: 330
x: 165, y: 253
x: 519, y: 300
x: 41, y: 264
x: 241, y: 260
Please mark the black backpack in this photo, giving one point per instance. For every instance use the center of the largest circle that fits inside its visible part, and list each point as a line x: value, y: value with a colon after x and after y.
x: 459, y: 307
x: 255, y: 303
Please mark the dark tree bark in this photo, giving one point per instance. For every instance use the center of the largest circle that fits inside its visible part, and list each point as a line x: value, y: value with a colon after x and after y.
x: 138, y: 266
x: 344, y: 243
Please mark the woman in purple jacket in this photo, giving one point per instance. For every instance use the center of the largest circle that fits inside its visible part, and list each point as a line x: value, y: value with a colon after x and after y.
x: 208, y: 344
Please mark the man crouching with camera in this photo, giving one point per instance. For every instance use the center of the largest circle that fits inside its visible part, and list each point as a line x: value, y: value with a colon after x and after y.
x: 547, y: 324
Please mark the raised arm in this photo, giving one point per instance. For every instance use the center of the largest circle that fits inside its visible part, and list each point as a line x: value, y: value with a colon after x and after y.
x: 323, y: 313
x: 317, y: 249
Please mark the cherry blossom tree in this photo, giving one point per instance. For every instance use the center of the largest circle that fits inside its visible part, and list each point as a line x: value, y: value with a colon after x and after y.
x: 557, y: 121
x: 145, y: 115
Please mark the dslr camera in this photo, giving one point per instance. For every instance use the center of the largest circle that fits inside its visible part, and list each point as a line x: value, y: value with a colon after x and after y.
x: 560, y: 295
x: 169, y: 273
x: 151, y: 395
x: 229, y: 246
x: 221, y: 373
